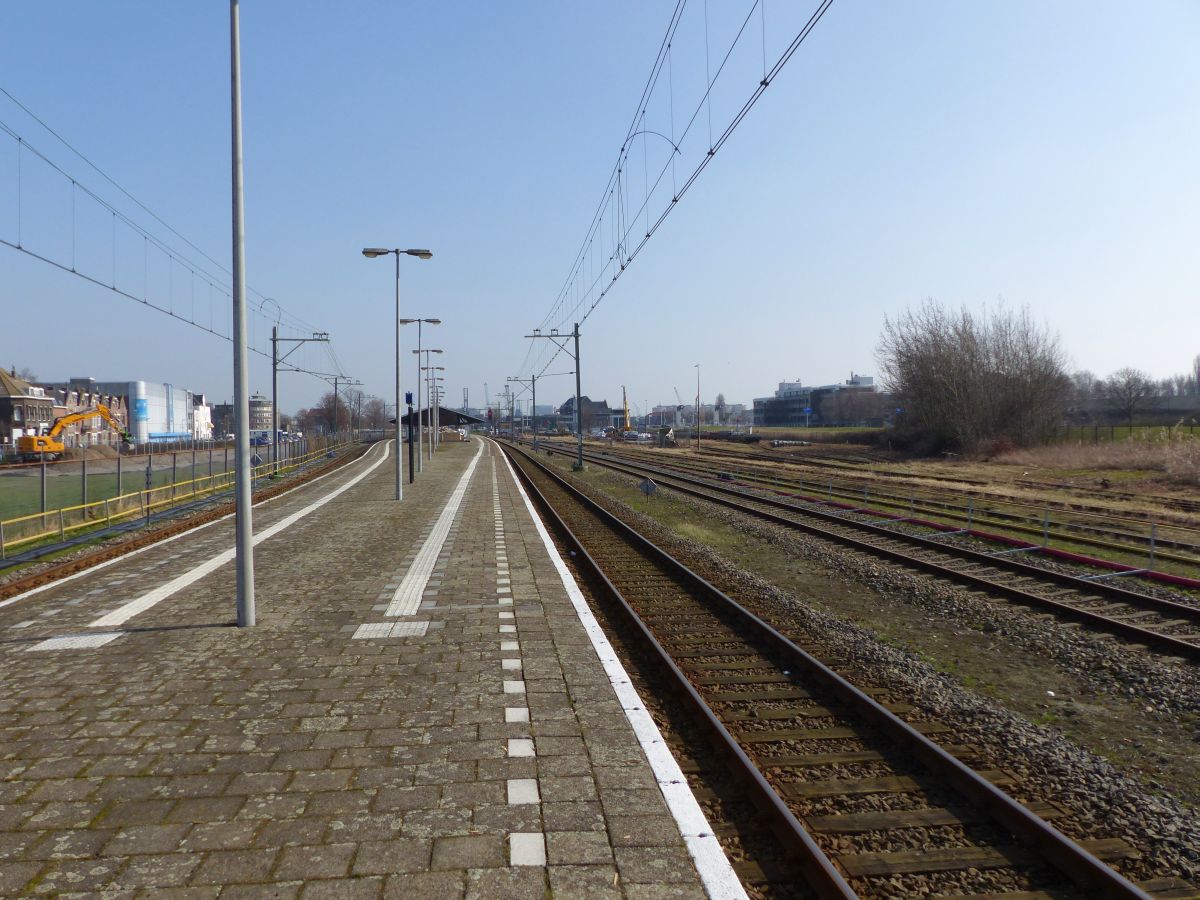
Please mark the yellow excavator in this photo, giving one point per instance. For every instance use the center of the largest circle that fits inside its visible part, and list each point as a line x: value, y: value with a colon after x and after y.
x: 47, y: 446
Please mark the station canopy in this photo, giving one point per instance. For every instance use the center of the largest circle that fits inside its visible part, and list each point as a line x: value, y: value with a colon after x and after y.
x: 446, y: 418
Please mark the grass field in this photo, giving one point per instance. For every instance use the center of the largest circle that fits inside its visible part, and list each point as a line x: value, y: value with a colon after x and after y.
x: 21, y: 495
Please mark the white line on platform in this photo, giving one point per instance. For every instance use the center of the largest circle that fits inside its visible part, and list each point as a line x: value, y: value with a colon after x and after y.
x: 716, y: 872
x: 407, y: 598
x: 125, y: 557
x: 124, y: 613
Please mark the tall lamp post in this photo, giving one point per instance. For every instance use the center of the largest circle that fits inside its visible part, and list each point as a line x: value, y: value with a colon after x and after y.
x: 699, y: 415
x: 434, y: 396
x: 424, y: 380
x: 418, y: 352
x: 371, y: 253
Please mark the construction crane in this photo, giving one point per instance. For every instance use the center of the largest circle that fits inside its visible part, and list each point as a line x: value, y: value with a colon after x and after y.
x: 625, y: 406
x: 35, y: 446
x: 678, y: 406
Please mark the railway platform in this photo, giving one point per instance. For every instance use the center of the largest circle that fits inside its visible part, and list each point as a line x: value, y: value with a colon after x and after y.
x: 424, y: 707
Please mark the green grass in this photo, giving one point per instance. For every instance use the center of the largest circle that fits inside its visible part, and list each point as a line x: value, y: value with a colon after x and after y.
x: 22, y: 495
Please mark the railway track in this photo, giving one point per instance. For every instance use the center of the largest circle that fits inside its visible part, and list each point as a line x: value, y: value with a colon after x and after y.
x: 848, y: 462
x: 1167, y: 626
x: 855, y: 787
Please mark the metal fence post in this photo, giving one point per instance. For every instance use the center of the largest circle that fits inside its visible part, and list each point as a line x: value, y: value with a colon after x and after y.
x: 970, y: 514
x: 1153, y: 537
x: 1, y: 539
x: 174, y: 465
x: 43, y: 455
x: 119, y: 490
x: 83, y: 470
x: 62, y: 528
x: 1045, y: 527
x: 107, y: 513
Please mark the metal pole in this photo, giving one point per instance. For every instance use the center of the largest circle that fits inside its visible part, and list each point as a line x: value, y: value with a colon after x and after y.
x: 274, y: 397
x: 698, y: 414
x: 420, y: 406
x: 411, y: 459
x: 42, y: 453
x: 83, y: 470
x: 245, y: 525
x: 399, y: 395
x: 533, y: 379
x: 578, y: 408
x: 119, y: 490
x: 335, y: 410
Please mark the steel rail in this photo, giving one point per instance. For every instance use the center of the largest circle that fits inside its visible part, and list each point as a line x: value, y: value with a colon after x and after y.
x: 1093, y: 534
x: 1128, y: 630
x: 1051, y: 844
x: 820, y: 871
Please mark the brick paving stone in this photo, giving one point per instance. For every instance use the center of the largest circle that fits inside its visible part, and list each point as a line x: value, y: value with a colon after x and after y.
x: 397, y: 855
x: 468, y: 852
x: 585, y: 882
x: 292, y: 759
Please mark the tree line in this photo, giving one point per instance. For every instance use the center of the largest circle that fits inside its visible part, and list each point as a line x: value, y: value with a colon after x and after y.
x: 967, y: 380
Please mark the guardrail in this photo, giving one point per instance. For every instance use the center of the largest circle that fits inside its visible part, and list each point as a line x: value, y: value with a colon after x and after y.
x: 54, y: 524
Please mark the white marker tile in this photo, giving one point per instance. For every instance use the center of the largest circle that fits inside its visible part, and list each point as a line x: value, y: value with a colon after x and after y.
x: 514, y: 687
x: 24, y: 624
x: 508, y: 629
x: 523, y: 790
x: 510, y: 645
x: 87, y: 642
x: 506, y: 615
x: 503, y: 590
x: 526, y: 848
x: 516, y: 714
x: 373, y: 630
x: 410, y: 629
x: 510, y: 664
x: 505, y: 601
x: 503, y: 581
x: 520, y: 747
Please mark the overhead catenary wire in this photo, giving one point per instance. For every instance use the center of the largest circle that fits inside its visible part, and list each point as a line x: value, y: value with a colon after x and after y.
x: 589, y: 281
x: 195, y: 270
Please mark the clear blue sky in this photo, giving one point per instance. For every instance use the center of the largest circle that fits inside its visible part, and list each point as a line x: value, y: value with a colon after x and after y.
x: 1042, y: 154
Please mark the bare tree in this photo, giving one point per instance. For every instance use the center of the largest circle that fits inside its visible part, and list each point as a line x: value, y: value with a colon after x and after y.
x: 1084, y: 386
x: 375, y: 414
x: 719, y: 409
x: 1126, y: 390
x: 27, y: 374
x: 965, y: 379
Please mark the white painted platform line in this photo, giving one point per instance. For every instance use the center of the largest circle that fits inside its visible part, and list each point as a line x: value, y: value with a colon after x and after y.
x: 715, y: 870
x: 125, y: 557
x: 76, y: 641
x: 124, y: 613
x: 407, y: 598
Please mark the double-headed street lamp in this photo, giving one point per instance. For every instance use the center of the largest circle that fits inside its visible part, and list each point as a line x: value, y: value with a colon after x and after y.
x: 371, y: 253
x: 423, y: 380
x: 435, y: 403
x: 418, y: 352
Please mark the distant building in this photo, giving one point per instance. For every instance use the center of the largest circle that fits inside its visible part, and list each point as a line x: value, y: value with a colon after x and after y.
x: 596, y: 414
x: 79, y: 395
x: 155, y: 412
x: 224, y: 419
x: 856, y: 401
x: 24, y: 409
x: 261, y: 413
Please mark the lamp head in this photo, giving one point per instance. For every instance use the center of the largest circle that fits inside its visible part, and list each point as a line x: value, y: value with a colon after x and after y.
x: 420, y: 254
x: 372, y: 252
x: 433, y: 321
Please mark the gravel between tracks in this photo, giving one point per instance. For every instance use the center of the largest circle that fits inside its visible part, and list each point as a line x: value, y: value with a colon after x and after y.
x: 1104, y: 802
